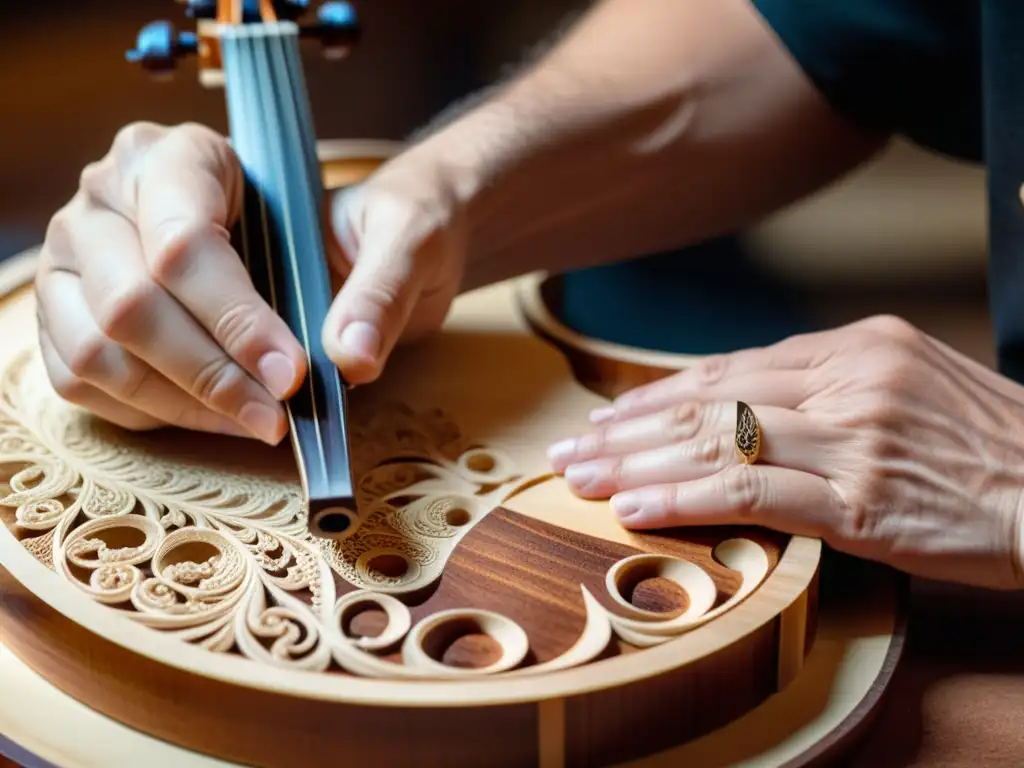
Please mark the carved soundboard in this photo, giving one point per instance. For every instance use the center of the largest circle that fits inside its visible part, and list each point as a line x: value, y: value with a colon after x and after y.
x: 479, y: 614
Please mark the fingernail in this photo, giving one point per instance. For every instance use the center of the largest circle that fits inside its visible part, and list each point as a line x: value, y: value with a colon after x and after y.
x: 561, y: 451
x: 625, y: 505
x: 261, y: 421
x: 580, y: 475
x: 278, y: 373
x: 600, y: 415
x: 360, y: 339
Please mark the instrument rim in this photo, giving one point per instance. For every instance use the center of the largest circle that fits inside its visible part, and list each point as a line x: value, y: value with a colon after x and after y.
x: 792, y: 577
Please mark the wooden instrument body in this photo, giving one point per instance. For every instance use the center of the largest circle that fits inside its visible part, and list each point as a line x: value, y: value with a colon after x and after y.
x: 254, y: 685
x: 168, y: 580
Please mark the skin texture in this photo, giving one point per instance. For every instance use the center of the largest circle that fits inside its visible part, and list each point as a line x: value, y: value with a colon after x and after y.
x: 648, y: 126
x: 882, y: 441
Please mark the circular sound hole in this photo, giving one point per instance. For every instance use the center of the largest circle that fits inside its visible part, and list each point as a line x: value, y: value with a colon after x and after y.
x: 658, y: 595
x: 457, y: 517
x: 462, y: 643
x: 389, y: 566
x: 365, y: 620
x: 334, y: 521
x: 481, y: 462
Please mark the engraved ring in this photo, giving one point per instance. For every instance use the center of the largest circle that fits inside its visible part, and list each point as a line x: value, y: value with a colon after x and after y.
x: 748, y: 433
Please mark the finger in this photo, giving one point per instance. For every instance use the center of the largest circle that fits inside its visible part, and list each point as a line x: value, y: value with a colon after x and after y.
x: 138, y: 314
x: 779, y: 498
x: 101, y: 376
x: 789, y: 438
x: 373, y: 306
x: 187, y: 196
x: 79, y: 392
x: 671, y: 425
x: 778, y: 387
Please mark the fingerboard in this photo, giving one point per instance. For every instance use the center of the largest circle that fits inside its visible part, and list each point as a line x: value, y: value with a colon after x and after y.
x: 282, y: 243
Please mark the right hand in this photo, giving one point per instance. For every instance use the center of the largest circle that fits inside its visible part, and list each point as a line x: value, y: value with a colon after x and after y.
x: 147, y: 316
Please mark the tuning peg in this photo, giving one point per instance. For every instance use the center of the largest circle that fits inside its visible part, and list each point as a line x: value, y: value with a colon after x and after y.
x: 336, y: 27
x: 159, y: 46
x: 200, y: 9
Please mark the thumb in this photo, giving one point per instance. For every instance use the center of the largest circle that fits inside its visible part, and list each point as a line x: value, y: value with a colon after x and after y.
x: 373, y: 306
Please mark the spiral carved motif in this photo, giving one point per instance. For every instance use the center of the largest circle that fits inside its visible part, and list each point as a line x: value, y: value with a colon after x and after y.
x: 221, y: 558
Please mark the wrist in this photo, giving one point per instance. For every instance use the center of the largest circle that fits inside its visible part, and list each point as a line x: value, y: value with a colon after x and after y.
x: 541, y: 172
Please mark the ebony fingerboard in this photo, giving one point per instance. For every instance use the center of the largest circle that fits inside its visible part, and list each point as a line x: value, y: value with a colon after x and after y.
x: 282, y: 242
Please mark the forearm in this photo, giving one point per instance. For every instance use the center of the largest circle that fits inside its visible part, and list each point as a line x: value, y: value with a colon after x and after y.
x: 652, y: 124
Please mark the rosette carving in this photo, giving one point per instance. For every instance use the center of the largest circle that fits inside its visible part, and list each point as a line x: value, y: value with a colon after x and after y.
x: 166, y: 531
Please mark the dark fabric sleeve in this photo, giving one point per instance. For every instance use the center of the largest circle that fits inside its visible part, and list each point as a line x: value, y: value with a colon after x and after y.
x: 900, y: 66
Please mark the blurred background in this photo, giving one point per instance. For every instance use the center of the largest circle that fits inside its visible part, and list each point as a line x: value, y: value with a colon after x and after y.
x: 906, y: 234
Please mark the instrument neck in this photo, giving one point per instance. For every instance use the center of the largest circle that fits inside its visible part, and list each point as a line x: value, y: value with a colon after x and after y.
x: 282, y: 237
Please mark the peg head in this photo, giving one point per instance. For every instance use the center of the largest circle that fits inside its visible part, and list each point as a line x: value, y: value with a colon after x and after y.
x: 159, y: 46
x: 337, y: 28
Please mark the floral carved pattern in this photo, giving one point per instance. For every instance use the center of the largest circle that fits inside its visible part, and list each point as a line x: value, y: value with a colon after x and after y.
x: 221, y: 557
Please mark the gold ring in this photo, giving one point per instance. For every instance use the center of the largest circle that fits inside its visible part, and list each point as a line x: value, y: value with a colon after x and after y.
x: 748, y: 433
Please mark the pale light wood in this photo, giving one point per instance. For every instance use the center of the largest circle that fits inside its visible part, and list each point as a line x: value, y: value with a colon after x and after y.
x: 555, y: 702
x: 855, y: 641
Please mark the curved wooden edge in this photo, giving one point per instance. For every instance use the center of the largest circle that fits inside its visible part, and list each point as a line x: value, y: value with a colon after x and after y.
x: 52, y: 726
x: 789, y: 581
x: 845, y: 737
x: 791, y: 578
x: 609, y: 369
x: 14, y: 754
x: 603, y: 367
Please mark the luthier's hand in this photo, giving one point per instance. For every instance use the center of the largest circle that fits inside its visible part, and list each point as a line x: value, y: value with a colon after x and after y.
x: 882, y: 441
x: 147, y: 314
x: 401, y: 257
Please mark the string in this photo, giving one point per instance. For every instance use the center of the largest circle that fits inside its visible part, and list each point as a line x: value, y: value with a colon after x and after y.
x: 265, y: 85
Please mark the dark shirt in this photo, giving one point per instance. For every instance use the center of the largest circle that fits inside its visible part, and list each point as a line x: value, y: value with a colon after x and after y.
x: 909, y: 67
x: 946, y: 74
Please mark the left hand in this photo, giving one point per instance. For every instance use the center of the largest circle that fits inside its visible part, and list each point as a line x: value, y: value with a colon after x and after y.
x: 883, y: 442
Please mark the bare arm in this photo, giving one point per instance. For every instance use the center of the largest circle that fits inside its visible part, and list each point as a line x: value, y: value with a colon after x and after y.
x: 651, y: 124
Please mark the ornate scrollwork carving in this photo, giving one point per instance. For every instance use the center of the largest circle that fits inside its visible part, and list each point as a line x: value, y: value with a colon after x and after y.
x: 222, y: 559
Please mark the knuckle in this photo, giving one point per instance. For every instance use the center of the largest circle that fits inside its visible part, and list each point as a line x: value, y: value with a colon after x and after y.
x: 711, y: 451
x: 744, y: 489
x: 385, y: 299
x: 890, y: 367
x: 128, y: 387
x: 137, y: 136
x: 68, y: 386
x: 88, y: 360
x: 617, y: 472
x: 712, y: 369
x: 237, y: 328
x: 58, y: 229
x: 867, y: 498
x: 217, y: 382
x: 882, y: 444
x: 685, y: 421
x: 125, y: 310
x: 94, y: 178
x: 892, y: 327
x: 592, y: 444
x: 201, y: 142
x: 176, y: 250
x: 197, y: 133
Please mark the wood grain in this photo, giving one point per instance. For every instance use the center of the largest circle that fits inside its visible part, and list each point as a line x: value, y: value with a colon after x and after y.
x: 532, y: 571
x: 623, y: 706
